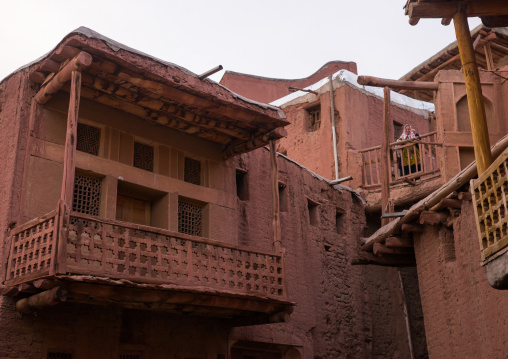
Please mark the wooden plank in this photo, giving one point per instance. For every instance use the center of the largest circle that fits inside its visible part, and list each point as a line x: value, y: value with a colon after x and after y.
x: 41, y: 300
x: 447, y: 9
x: 397, y: 84
x: 400, y: 242
x: 394, y: 214
x: 473, y: 89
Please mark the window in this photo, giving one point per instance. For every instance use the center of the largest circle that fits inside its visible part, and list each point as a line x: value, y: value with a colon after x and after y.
x: 397, y: 130
x: 190, y: 218
x: 241, y: 185
x: 313, y: 208
x: 314, y: 118
x: 283, y: 197
x: 143, y: 156
x: 130, y: 356
x: 339, y: 221
x: 88, y: 139
x: 192, y: 171
x: 87, y: 195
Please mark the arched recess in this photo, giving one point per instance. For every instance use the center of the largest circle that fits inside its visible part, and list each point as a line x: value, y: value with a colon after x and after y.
x: 463, y: 122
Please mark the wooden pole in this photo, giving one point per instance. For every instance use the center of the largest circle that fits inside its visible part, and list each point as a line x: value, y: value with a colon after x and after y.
x: 275, y: 198
x: 334, y: 133
x: 385, y: 156
x: 488, y: 56
x: 478, y: 119
x: 70, y: 141
x: 397, y: 84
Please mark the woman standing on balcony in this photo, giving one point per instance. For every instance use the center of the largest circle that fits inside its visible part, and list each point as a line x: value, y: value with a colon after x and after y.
x: 408, y: 157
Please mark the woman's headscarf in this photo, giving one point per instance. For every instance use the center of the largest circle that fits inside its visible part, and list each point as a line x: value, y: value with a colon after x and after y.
x: 403, y: 136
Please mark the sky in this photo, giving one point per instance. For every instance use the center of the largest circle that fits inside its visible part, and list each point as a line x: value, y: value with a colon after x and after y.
x: 272, y: 38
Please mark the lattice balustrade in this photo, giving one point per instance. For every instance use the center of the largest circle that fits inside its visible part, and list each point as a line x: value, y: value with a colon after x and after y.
x: 490, y: 191
x: 103, y: 248
x: 31, y: 249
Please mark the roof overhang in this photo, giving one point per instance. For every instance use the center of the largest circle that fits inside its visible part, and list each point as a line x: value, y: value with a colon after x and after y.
x: 162, y: 93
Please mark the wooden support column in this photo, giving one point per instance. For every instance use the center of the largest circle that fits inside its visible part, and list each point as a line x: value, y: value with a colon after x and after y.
x: 385, y: 157
x: 478, y: 119
x: 70, y: 141
x: 277, y: 245
x: 488, y: 56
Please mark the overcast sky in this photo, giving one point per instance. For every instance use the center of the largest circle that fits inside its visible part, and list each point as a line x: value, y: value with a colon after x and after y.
x: 276, y: 38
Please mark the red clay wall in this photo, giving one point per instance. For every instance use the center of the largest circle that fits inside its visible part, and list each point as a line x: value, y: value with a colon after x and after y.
x: 266, y: 90
x: 464, y: 316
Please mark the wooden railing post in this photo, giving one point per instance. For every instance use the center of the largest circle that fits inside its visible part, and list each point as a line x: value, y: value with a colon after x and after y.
x: 275, y: 199
x: 476, y: 106
x: 385, y: 155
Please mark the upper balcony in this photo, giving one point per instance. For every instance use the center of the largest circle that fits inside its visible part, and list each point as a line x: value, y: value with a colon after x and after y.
x: 85, y: 259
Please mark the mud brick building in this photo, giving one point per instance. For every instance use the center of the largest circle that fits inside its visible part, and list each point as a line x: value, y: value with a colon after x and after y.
x: 142, y: 217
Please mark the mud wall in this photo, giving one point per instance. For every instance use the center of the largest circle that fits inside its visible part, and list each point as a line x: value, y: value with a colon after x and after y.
x: 464, y: 316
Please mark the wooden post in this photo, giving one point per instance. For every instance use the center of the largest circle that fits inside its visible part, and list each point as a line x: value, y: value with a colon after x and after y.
x: 277, y: 245
x: 385, y: 156
x: 478, y: 119
x: 70, y: 141
x: 488, y: 56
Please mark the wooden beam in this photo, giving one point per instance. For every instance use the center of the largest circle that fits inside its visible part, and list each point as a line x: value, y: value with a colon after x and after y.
x: 385, y: 156
x: 46, y: 284
x: 37, y: 77
x: 447, y: 9
x: 69, y: 165
x: 407, y: 227
x: 397, y: 84
x: 399, y: 242
x: 380, y: 250
x: 340, y: 180
x: 258, y: 141
x: 476, y: 106
x: 436, y: 69
x: 433, y: 218
x: 488, y: 56
x: 41, y: 300
x: 26, y: 288
x: 150, y: 115
x: 390, y: 260
x: 78, y: 63
x: 450, y: 203
x: 465, y: 196
x: 394, y: 214
x: 277, y: 242
x: 165, y: 109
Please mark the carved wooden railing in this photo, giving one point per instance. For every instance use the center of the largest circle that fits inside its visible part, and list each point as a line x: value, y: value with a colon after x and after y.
x: 490, y: 194
x: 424, y: 150
x: 98, y: 247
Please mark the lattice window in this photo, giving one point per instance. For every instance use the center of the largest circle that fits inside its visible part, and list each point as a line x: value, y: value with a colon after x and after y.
x: 88, y: 139
x: 59, y: 355
x: 192, y: 171
x: 143, y: 156
x: 314, y: 118
x: 190, y: 218
x: 87, y: 194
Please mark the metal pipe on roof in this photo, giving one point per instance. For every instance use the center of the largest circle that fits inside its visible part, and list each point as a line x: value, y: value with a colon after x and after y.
x: 204, y: 75
x: 334, y: 135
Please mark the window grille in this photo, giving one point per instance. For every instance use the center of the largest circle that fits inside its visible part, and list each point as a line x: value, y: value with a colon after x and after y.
x: 87, y: 194
x: 88, y: 139
x: 192, y: 171
x: 314, y: 116
x: 190, y: 218
x: 59, y: 355
x: 143, y: 156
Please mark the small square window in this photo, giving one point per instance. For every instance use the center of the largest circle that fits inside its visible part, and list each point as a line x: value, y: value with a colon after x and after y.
x: 313, y: 208
x: 314, y: 118
x: 87, y: 195
x: 143, y: 156
x: 190, y: 218
x: 192, y: 171
x: 88, y: 139
x: 242, y: 190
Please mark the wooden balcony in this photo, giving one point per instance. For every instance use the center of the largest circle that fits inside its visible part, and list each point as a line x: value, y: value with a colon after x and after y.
x: 102, y: 261
x: 425, y: 150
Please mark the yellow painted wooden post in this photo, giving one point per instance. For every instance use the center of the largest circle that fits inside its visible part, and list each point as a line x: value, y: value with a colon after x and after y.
x: 478, y: 119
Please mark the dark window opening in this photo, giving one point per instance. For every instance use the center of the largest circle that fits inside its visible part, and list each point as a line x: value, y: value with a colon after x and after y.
x: 190, y: 218
x: 339, y: 221
x: 143, y: 156
x: 192, y: 171
x: 313, y: 208
x: 130, y: 356
x: 87, y: 195
x: 88, y: 139
x: 283, y: 197
x: 397, y: 130
x: 242, y: 190
x: 314, y: 118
